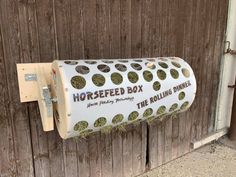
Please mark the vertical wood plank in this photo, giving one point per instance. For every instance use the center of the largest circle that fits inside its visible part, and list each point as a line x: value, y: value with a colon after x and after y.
x: 90, y: 29
x: 160, y: 143
x: 56, y: 154
x: 106, y: 154
x: 117, y: 151
x: 76, y: 29
x: 137, y: 149
x: 209, y: 53
x: 95, y: 154
x: 14, y: 43
x: 148, y: 26
x: 115, y: 28
x: 127, y: 151
x: 218, y: 52
x: 103, y: 27
x: 153, y: 144
x: 168, y: 139
x: 39, y: 143
x: 70, y: 157
x: 7, y: 155
x: 136, y: 35
x: 63, y: 28
x: 83, y: 157
x: 39, y: 137
x: 46, y: 30
x: 175, y: 138
x: 125, y: 28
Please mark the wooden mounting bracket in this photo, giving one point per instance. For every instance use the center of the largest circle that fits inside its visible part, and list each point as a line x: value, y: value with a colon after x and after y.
x: 34, y: 81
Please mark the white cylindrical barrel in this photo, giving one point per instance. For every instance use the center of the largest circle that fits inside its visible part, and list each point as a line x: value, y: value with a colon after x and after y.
x: 98, y: 94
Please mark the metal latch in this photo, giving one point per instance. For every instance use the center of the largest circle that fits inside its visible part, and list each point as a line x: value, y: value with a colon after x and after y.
x: 228, y: 49
x: 47, y: 99
x: 30, y: 77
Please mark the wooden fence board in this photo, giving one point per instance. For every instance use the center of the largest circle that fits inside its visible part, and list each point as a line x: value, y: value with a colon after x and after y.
x: 125, y: 28
x: 18, y: 114
x: 95, y: 154
x: 106, y: 153
x: 127, y: 160
x: 103, y: 28
x: 117, y: 153
x: 33, y: 31
x: 39, y: 143
x: 7, y: 155
x: 83, y: 157
x: 76, y: 30
x: 62, y: 22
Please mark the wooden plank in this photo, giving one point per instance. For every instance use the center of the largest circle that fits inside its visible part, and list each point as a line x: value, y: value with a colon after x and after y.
x: 156, y: 37
x: 95, y: 159
x: 148, y: 26
x: 90, y: 29
x: 136, y: 39
x: 115, y: 28
x: 56, y: 154
x: 46, y: 33
x: 175, y: 138
x: 125, y: 28
x: 209, y: 138
x: 76, y: 29
x: 144, y: 154
x: 117, y: 151
x: 83, y: 157
x: 186, y: 130
x: 168, y: 139
x: 164, y: 28
x: 62, y: 19
x: 137, y: 149
x: 160, y: 143
x: 106, y: 154
x: 70, y: 157
x: 209, y: 67
x: 218, y: 52
x: 13, y: 45
x: 7, y: 155
x: 39, y: 137
x: 45, y: 145
x: 127, y: 149
x: 103, y: 28
x: 153, y: 144
x: 39, y: 143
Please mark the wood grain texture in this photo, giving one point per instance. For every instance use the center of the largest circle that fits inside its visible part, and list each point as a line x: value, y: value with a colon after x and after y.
x: 41, y: 31
x: 7, y: 154
x: 16, y: 51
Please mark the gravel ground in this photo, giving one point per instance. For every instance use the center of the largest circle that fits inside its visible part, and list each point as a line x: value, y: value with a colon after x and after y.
x: 214, y: 160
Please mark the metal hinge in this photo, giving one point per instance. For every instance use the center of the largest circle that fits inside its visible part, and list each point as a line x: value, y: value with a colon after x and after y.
x: 228, y: 49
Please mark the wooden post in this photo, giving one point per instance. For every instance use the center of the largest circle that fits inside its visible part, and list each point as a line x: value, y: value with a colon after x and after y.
x: 232, y: 130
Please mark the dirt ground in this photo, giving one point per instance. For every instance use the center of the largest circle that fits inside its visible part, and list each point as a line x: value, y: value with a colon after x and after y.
x: 214, y: 160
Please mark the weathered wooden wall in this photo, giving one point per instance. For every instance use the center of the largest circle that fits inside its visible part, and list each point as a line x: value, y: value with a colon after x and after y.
x: 43, y: 30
